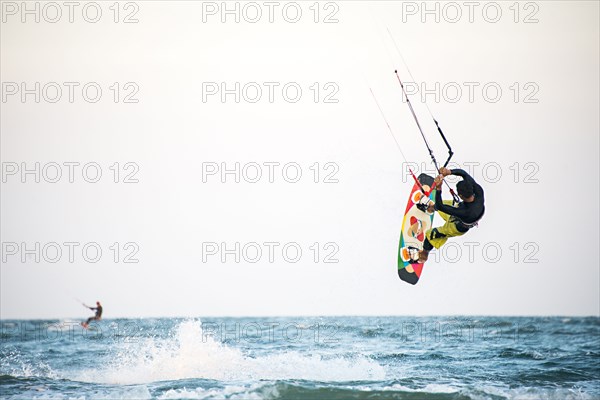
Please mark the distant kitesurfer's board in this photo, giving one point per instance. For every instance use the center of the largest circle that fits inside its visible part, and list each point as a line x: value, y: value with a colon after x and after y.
x: 414, y: 225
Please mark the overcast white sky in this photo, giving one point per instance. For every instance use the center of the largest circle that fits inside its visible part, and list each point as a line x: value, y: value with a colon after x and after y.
x: 533, y: 146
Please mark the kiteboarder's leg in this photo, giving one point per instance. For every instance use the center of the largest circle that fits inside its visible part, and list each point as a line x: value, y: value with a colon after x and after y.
x: 436, y: 237
x: 90, y: 319
x: 445, y: 216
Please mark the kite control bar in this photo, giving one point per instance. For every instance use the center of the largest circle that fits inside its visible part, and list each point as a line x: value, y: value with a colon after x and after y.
x: 450, y: 152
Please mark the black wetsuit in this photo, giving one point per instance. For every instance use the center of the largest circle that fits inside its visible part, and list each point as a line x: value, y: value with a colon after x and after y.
x: 465, y: 214
x: 95, y: 317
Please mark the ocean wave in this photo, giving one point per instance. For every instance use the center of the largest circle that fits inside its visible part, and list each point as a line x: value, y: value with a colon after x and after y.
x: 315, y: 391
x: 290, y: 391
x: 556, y: 375
x: 189, y: 353
x: 371, y: 358
x: 511, y: 353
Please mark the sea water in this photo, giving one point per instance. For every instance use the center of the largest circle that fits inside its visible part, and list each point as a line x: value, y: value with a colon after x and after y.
x: 302, y: 358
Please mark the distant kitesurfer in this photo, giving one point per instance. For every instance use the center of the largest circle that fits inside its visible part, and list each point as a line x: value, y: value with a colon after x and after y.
x: 96, y: 317
x: 459, y: 219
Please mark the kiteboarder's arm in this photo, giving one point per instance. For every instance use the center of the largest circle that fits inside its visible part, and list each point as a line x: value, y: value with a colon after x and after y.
x: 439, y: 203
x: 445, y: 208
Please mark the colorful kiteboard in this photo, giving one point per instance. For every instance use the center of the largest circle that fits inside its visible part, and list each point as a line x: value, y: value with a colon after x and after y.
x: 414, y: 226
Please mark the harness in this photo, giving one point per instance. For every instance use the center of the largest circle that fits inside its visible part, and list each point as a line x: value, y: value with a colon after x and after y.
x: 467, y: 225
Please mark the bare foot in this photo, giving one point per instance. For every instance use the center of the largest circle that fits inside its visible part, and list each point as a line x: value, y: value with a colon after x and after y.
x: 423, y: 256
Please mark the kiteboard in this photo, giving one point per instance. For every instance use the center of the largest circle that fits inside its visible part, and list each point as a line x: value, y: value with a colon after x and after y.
x: 414, y: 225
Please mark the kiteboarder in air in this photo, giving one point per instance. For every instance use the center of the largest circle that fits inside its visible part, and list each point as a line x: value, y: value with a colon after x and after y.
x: 417, y: 239
x: 459, y: 219
x: 96, y: 317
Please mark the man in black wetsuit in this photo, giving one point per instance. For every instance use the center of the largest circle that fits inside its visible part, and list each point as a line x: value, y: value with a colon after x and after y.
x: 96, y: 317
x: 458, y: 219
